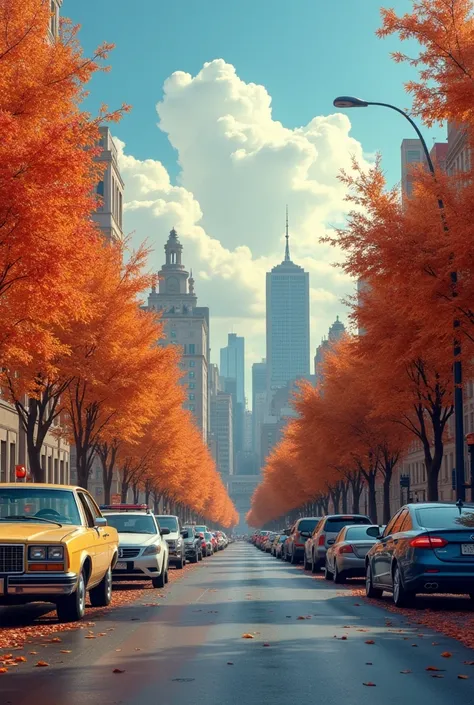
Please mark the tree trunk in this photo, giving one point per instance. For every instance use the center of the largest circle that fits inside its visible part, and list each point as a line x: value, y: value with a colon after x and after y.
x: 136, y: 494
x: 344, y: 491
x: 356, y: 486
x: 370, y: 477
x: 37, y: 471
x: 325, y: 504
x: 124, y: 492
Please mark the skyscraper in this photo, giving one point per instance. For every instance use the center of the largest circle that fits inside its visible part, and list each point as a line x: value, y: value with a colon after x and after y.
x: 233, y: 364
x: 287, y: 323
x: 186, y: 325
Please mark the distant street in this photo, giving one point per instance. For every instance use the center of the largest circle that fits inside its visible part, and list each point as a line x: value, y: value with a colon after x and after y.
x: 189, y: 649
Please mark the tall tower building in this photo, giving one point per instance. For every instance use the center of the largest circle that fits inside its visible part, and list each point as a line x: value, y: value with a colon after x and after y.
x: 336, y: 331
x: 287, y: 318
x: 186, y: 325
x: 232, y: 360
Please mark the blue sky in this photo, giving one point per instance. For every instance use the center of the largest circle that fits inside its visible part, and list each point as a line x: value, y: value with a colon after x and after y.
x: 233, y: 167
x: 304, y: 52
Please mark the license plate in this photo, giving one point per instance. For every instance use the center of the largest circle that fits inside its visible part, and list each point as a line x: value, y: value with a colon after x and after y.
x: 467, y: 549
x: 121, y: 566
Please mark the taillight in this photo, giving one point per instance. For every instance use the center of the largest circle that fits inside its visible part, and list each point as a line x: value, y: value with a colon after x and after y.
x: 428, y: 542
x: 345, y: 549
x: 322, y: 540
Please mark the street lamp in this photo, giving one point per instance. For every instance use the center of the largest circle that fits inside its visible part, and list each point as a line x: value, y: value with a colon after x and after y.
x: 348, y: 101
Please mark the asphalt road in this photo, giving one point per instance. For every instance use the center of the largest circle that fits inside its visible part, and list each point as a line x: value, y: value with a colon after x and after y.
x: 189, y: 650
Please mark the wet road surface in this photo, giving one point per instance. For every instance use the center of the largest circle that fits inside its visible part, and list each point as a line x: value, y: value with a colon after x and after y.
x: 186, y: 648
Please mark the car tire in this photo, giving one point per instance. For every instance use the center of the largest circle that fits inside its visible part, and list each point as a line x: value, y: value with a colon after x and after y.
x: 327, y: 573
x: 338, y: 577
x: 200, y: 555
x: 315, y: 566
x: 370, y: 590
x: 180, y: 565
x: 401, y: 596
x: 160, y: 580
x: 71, y: 608
x: 195, y: 558
x: 101, y: 595
x: 305, y: 562
x: 167, y: 575
x: 294, y: 559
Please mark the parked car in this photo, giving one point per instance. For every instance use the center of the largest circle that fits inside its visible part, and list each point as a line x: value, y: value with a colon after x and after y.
x: 54, y: 547
x: 173, y: 538
x: 324, y: 535
x: 209, y: 544
x: 215, y: 545
x: 275, y: 539
x: 278, y: 546
x: 143, y: 551
x: 426, y: 547
x: 192, y: 544
x: 346, y: 557
x: 300, y: 531
x: 221, y: 544
x: 267, y: 544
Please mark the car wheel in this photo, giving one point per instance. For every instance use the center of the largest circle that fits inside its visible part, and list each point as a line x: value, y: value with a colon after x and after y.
x: 101, y: 595
x: 180, y: 565
x: 200, y: 555
x: 305, y: 562
x: 195, y: 558
x: 160, y: 580
x: 401, y: 596
x: 315, y: 566
x: 294, y: 559
x: 338, y: 576
x: 370, y: 590
x: 167, y: 575
x: 327, y: 573
x: 72, y: 607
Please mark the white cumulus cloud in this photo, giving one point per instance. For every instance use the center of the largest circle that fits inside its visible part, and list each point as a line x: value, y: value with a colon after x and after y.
x: 238, y: 169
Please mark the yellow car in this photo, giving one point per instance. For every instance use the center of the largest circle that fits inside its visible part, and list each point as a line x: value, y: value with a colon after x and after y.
x: 54, y: 546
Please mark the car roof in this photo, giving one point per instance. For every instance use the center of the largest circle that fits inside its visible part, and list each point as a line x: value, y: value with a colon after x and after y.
x: 344, y: 515
x: 424, y: 505
x: 173, y: 516
x: 305, y: 518
x: 39, y: 485
x: 134, y: 513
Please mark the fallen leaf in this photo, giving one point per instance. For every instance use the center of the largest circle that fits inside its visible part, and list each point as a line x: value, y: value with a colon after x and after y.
x: 463, y: 678
x: 89, y: 636
x: 301, y: 618
x: 446, y: 654
x: 435, y: 643
x: 344, y: 638
x: 42, y: 664
x: 56, y: 640
x: 33, y: 653
x: 415, y: 646
x: 370, y: 641
x: 6, y: 657
x: 266, y: 644
x: 468, y: 663
x: 20, y: 659
x: 407, y: 671
x: 433, y: 668
x: 118, y: 670
x: 437, y: 675
x: 247, y: 636
x: 369, y: 663
x: 3, y: 670
x: 65, y: 651
x: 356, y: 604
x: 369, y: 684
x: 230, y: 663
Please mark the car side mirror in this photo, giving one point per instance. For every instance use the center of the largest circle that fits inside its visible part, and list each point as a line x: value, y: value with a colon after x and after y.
x: 185, y: 534
x: 100, y: 522
x: 165, y: 532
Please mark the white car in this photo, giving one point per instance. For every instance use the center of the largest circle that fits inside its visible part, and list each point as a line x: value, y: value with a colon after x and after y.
x: 143, y: 552
x: 174, y: 538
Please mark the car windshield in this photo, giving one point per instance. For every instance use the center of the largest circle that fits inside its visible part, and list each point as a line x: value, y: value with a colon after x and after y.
x: 445, y: 518
x: 45, y: 504
x: 359, y: 533
x: 167, y: 522
x: 200, y: 529
x: 207, y: 534
x: 335, y: 524
x: 307, y: 525
x: 283, y: 537
x: 132, y: 523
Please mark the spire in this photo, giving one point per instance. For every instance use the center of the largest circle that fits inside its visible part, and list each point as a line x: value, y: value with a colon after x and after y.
x: 191, y: 283
x: 287, y: 236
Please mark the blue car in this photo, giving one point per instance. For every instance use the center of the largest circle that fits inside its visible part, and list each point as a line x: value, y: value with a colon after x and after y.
x: 425, y: 548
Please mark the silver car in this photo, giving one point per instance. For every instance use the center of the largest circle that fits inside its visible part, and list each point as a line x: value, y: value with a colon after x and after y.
x: 324, y: 535
x: 346, y: 557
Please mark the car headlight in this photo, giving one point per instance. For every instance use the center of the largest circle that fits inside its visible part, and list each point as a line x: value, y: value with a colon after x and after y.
x: 152, y: 550
x: 37, y: 553
x: 179, y: 543
x: 46, y: 553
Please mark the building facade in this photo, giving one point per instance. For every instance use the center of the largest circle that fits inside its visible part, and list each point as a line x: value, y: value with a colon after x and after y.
x: 55, y: 8
x: 336, y: 331
x: 186, y: 325
x: 259, y: 395
x: 232, y: 359
x: 110, y: 190
x: 287, y: 323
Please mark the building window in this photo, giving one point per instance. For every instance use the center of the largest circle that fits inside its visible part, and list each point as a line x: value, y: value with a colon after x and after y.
x: 191, y: 397
x: 192, y: 349
x: 413, y: 155
x: 192, y: 385
x: 191, y: 374
x: 192, y: 408
x: 100, y: 189
x: 192, y: 363
x: 173, y: 334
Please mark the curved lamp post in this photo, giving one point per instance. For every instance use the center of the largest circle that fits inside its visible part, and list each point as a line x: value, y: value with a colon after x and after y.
x: 348, y: 101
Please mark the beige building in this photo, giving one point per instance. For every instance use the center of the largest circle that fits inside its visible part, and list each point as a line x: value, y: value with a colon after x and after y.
x: 186, y: 325
x: 55, y: 7
x: 110, y: 188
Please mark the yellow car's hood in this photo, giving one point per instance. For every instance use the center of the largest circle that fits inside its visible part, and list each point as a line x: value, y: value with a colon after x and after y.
x: 32, y: 532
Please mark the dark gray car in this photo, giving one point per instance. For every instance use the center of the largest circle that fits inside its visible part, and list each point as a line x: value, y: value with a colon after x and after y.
x: 192, y: 544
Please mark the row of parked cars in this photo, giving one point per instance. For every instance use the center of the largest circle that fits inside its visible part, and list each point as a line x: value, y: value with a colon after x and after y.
x: 57, y: 545
x: 425, y: 548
